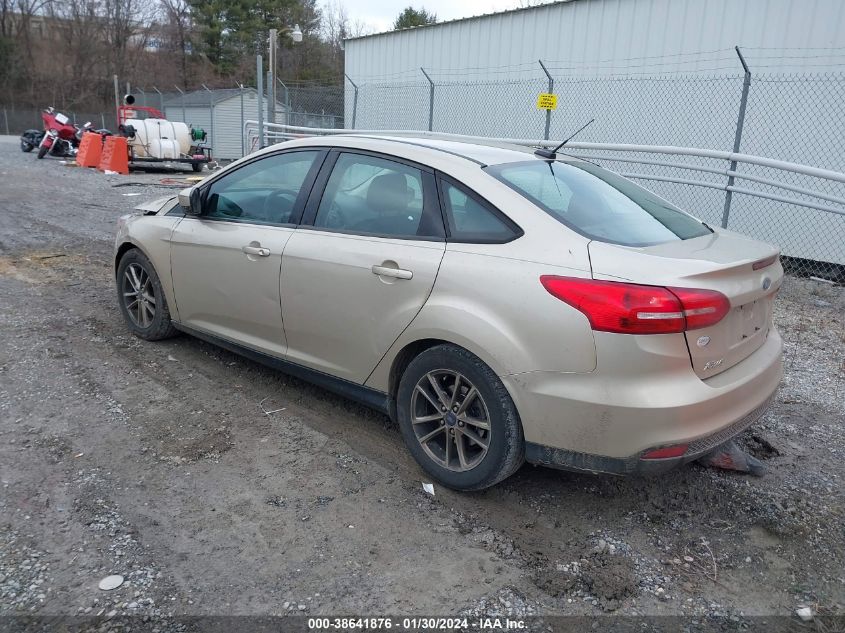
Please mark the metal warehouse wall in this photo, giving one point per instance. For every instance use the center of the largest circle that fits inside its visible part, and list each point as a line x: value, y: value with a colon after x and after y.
x: 586, y: 32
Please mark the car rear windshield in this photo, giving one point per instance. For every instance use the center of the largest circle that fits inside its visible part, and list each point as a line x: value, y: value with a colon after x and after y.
x: 598, y: 203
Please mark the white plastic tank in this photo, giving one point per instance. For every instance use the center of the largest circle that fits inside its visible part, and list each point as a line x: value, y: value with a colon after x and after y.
x: 159, y: 138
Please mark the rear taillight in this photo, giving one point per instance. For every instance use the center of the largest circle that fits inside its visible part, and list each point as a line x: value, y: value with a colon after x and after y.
x: 624, y: 308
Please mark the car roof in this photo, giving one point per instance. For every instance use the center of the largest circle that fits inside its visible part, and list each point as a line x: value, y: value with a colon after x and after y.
x: 491, y: 153
x: 479, y: 152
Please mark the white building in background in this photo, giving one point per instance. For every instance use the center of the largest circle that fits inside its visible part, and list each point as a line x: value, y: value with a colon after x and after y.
x: 221, y: 113
x: 610, y: 37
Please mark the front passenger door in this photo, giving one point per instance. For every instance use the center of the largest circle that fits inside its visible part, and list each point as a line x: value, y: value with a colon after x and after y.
x: 226, y: 262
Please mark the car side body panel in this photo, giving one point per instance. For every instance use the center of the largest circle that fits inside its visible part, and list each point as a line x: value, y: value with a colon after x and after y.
x: 340, y: 316
x: 489, y: 315
x: 151, y: 235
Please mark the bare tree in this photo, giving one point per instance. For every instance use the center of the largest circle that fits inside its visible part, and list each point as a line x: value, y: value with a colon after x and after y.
x: 177, y: 29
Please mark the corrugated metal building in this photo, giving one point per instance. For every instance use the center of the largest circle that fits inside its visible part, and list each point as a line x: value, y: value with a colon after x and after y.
x: 472, y: 60
x: 604, y: 36
x: 221, y: 114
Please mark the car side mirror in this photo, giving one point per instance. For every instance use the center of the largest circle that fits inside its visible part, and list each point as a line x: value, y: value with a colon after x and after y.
x: 191, y: 201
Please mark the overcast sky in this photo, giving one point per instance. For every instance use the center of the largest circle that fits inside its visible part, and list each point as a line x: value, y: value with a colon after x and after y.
x: 379, y: 15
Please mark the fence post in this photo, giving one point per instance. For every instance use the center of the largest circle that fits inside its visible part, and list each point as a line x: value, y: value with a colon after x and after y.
x: 210, y: 115
x: 354, y: 100
x: 551, y: 90
x: 243, y: 147
x: 746, y: 85
x: 116, y: 102
x: 6, y: 119
x: 430, y: 100
x: 184, y: 116
x: 271, y: 73
x: 102, y: 121
x: 259, y: 74
x: 160, y: 100
x: 288, y: 106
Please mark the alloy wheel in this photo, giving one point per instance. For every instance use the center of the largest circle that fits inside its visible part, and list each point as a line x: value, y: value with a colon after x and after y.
x: 139, y: 295
x: 450, y: 420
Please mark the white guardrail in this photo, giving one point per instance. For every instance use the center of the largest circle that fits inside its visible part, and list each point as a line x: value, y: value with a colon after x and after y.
x: 625, y: 153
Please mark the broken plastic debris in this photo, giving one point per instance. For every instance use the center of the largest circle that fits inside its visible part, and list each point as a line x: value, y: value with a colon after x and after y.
x: 729, y: 456
x: 169, y: 357
x: 429, y: 488
x: 132, y: 194
x: 805, y: 613
x: 264, y: 409
x: 79, y: 455
x: 111, y: 582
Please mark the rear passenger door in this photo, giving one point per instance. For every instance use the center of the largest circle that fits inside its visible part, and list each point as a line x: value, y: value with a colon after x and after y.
x: 363, y: 263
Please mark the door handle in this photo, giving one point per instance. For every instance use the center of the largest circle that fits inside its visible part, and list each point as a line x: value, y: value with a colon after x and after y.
x: 386, y: 271
x: 256, y: 250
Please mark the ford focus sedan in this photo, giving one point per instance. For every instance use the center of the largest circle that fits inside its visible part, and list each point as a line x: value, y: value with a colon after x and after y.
x: 500, y: 306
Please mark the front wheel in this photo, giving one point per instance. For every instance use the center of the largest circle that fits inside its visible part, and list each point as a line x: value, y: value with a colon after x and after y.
x: 196, y: 167
x: 141, y: 298
x: 458, y: 420
x: 42, y: 151
x: 26, y: 146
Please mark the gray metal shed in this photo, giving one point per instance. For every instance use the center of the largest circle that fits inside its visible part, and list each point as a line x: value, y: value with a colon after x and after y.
x: 221, y: 114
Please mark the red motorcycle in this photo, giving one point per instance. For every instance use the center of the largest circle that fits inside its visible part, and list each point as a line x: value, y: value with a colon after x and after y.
x: 60, y: 136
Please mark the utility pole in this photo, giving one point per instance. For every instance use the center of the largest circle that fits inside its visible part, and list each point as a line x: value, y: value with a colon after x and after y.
x: 271, y: 74
x: 116, y: 100
x: 259, y: 71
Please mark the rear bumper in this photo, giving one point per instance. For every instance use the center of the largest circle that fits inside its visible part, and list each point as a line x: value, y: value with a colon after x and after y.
x: 635, y: 465
x: 604, y: 422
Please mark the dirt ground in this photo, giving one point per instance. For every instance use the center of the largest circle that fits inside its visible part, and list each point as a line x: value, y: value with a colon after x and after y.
x: 160, y: 462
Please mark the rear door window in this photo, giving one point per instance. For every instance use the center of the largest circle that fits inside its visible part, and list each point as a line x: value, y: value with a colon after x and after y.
x: 597, y: 203
x: 372, y: 195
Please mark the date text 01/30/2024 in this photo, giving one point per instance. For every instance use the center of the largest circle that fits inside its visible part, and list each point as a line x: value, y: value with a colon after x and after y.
x: 414, y: 624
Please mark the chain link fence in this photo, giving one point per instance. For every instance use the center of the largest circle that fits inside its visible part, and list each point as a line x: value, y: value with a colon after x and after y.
x: 13, y: 121
x: 794, y: 118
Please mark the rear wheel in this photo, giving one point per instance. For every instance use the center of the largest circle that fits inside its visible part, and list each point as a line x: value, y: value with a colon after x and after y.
x: 42, y: 151
x: 141, y: 298
x: 196, y: 166
x: 458, y: 420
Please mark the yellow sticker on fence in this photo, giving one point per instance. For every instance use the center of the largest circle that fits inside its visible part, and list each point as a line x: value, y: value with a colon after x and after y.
x: 547, y: 101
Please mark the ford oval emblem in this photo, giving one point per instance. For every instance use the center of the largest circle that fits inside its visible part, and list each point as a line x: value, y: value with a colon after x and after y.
x: 767, y: 283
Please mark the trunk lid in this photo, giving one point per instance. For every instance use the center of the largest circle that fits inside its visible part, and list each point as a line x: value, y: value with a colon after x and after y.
x: 723, y: 261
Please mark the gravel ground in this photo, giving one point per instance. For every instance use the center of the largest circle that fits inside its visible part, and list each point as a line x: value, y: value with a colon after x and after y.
x: 157, y: 462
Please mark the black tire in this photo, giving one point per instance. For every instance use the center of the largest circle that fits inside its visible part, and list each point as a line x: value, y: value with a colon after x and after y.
x: 26, y: 146
x: 196, y: 167
x: 42, y: 151
x: 506, y: 443
x: 159, y: 325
